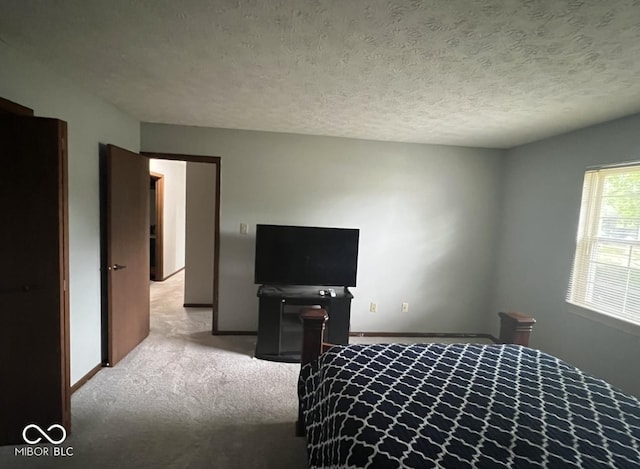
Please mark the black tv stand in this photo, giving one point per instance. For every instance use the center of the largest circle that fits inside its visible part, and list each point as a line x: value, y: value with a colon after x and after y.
x: 279, y: 326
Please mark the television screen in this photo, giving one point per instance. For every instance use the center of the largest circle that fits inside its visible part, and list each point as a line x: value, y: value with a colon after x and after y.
x: 304, y: 255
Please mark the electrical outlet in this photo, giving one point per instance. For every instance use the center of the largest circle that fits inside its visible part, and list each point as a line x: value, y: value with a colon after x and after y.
x: 373, y: 308
x: 405, y: 307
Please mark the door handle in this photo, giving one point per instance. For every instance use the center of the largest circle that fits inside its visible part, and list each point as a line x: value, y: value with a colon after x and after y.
x: 117, y: 267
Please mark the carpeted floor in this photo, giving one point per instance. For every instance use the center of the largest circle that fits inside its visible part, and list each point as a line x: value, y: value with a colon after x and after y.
x: 182, y: 399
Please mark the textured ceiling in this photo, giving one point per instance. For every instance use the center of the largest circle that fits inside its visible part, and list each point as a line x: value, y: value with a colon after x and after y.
x: 491, y: 73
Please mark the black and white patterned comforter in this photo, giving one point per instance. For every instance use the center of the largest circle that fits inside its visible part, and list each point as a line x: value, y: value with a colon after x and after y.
x: 461, y: 406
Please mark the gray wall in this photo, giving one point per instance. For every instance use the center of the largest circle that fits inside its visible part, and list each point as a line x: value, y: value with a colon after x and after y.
x: 543, y: 186
x: 91, y: 121
x: 428, y: 217
x: 175, y: 176
x: 201, y: 196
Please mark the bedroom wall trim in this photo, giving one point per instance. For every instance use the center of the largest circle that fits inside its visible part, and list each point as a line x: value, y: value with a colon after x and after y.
x: 171, y: 275
x: 431, y: 335
x: 234, y: 333
x: 82, y: 381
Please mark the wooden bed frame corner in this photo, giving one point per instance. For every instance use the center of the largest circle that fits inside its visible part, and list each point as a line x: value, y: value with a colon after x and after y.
x: 515, y: 328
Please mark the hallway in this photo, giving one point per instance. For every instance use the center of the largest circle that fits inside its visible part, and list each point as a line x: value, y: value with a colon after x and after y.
x: 168, y: 316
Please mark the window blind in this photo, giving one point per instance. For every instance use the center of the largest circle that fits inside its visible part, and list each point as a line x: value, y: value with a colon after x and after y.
x: 606, y: 271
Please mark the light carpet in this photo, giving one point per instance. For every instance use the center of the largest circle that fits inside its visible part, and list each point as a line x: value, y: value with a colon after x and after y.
x: 182, y: 399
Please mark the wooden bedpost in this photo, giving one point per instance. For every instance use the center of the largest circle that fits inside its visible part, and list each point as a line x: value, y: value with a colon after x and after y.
x: 313, y: 323
x: 515, y: 328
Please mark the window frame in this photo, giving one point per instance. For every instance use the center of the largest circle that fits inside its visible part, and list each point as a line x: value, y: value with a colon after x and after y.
x: 578, y: 297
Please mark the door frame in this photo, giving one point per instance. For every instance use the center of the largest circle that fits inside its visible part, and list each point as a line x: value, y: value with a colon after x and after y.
x: 216, y: 216
x: 158, y: 270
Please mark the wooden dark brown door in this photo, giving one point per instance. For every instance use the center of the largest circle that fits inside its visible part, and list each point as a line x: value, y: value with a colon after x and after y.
x: 34, y: 330
x: 127, y: 251
x: 157, y: 235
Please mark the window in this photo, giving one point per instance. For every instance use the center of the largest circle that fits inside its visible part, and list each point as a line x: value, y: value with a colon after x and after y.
x: 606, y: 272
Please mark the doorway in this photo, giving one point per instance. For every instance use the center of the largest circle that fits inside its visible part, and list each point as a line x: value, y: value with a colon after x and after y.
x: 115, y: 304
x: 156, y: 226
x: 113, y: 335
x: 209, y: 239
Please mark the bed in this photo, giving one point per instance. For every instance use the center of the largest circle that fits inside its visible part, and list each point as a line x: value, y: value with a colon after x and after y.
x: 458, y: 405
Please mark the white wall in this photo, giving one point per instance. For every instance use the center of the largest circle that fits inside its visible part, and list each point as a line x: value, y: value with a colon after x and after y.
x: 543, y: 185
x: 174, y: 213
x: 427, y: 215
x: 201, y: 196
x: 91, y: 121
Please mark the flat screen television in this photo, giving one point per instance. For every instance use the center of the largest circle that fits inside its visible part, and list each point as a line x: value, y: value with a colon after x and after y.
x: 305, y: 255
